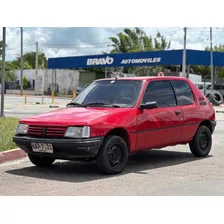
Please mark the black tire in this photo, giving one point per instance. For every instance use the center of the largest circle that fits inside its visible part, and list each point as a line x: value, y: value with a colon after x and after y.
x: 113, y: 155
x: 201, y: 144
x: 208, y: 95
x: 216, y: 98
x: 41, y: 161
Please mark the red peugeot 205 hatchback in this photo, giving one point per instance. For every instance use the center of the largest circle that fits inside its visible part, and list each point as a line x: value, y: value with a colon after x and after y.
x: 113, y: 118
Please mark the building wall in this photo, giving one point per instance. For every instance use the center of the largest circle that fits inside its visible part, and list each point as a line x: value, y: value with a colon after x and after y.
x: 86, y: 77
x: 67, y: 80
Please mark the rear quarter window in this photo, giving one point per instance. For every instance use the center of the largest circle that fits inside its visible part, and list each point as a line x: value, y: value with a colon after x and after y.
x: 183, y: 92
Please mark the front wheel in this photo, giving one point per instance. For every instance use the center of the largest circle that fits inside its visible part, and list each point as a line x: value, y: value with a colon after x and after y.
x: 113, y: 155
x: 41, y: 161
x: 202, y: 142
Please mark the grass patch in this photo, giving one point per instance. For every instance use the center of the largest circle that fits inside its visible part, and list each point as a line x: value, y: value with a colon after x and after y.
x: 7, y: 131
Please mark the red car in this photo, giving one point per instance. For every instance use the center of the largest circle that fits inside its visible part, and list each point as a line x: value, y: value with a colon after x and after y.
x: 115, y: 117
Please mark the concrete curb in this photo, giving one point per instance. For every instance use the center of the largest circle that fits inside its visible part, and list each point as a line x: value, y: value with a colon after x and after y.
x: 219, y: 109
x: 12, y: 155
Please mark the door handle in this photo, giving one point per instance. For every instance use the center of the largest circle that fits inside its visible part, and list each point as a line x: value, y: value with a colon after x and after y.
x: 177, y: 112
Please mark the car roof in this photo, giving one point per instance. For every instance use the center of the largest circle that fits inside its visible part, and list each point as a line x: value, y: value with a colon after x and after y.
x: 147, y: 78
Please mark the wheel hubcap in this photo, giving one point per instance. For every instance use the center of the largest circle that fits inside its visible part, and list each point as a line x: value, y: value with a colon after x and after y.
x: 203, y: 141
x: 115, y: 155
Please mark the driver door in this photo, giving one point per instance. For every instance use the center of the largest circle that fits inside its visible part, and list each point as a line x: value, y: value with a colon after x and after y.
x: 159, y: 126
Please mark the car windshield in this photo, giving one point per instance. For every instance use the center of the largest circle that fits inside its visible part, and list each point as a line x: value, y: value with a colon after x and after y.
x: 119, y: 93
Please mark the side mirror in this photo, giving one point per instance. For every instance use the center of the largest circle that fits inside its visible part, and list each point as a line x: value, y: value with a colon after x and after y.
x: 149, y: 105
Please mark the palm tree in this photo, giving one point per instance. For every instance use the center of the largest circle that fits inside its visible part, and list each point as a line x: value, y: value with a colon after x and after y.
x: 136, y: 40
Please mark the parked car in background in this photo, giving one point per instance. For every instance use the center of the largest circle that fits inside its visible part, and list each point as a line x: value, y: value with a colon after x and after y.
x: 113, y: 118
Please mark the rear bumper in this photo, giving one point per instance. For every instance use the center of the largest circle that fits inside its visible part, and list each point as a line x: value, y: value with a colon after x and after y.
x: 67, y: 149
x: 213, y: 125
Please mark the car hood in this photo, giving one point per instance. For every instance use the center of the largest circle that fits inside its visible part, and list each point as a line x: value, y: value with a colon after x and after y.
x: 73, y: 116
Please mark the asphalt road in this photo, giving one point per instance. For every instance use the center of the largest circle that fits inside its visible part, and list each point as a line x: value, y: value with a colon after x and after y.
x: 172, y: 171
x: 15, y: 107
x: 11, y: 100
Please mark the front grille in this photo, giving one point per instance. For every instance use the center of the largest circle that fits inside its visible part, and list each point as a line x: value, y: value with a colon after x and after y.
x: 45, y: 131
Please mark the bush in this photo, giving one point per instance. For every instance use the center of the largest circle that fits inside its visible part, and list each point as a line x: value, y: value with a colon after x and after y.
x: 26, y: 83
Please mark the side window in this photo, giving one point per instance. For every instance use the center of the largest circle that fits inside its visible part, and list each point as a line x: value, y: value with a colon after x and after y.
x: 161, y: 92
x: 183, y: 92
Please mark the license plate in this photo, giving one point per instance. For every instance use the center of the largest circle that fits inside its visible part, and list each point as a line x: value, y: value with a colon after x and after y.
x: 42, y: 147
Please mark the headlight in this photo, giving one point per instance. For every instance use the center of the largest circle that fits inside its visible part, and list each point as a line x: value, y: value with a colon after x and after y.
x: 78, y: 132
x: 22, y: 129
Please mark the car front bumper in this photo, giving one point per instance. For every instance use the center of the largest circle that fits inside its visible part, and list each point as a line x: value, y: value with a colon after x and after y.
x: 63, y: 148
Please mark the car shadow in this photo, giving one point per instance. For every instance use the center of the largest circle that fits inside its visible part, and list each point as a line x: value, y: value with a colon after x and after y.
x: 141, y: 163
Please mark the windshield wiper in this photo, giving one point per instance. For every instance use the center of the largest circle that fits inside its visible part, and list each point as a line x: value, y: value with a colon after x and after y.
x: 102, y: 104
x: 75, y: 104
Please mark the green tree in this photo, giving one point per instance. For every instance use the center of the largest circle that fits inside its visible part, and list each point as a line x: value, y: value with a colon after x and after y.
x: 29, y: 60
x: 9, y: 66
x: 136, y: 40
x: 9, y: 74
x: 204, y: 71
x: 217, y: 48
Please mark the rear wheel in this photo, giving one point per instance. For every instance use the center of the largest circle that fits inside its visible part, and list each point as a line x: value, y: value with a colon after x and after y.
x: 41, y: 161
x: 113, y: 155
x: 202, y: 142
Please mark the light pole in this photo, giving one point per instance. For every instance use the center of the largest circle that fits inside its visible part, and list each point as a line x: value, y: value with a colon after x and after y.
x: 3, y: 71
x: 184, y: 53
x: 211, y: 57
x: 21, y: 64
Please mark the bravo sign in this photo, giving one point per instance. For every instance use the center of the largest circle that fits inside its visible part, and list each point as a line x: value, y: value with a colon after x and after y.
x: 110, y: 60
x: 100, y: 61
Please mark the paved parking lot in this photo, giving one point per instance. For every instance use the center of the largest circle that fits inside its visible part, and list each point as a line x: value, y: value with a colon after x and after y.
x: 171, y: 171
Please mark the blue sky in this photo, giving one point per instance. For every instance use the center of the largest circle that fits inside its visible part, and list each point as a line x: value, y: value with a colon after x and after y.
x: 72, y: 41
